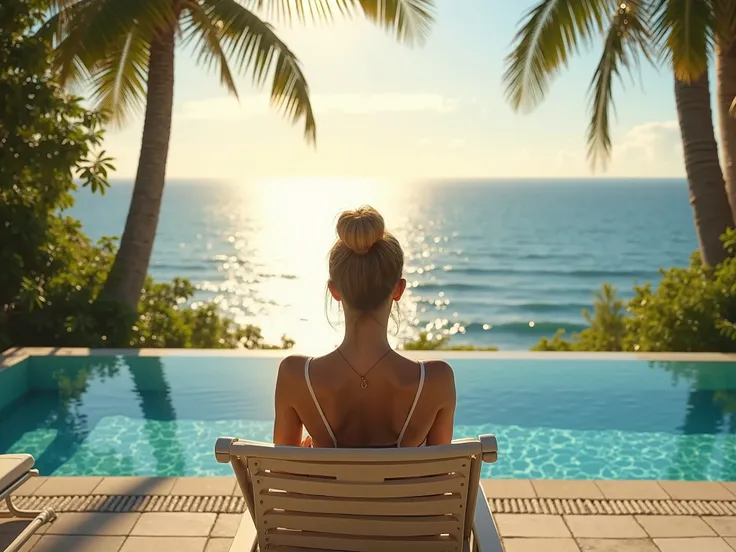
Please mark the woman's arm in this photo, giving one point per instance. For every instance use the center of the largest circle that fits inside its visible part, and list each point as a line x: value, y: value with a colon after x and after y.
x: 441, y: 431
x: 287, y: 427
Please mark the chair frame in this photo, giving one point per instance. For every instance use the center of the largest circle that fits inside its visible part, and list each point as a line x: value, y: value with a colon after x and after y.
x: 40, y: 517
x: 481, y: 531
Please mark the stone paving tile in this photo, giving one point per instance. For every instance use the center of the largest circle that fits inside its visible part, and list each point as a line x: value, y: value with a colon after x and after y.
x: 204, y: 486
x: 725, y: 526
x: 73, y: 485
x: 89, y: 523
x: 135, y: 486
x: 730, y: 485
x: 164, y: 544
x: 218, y: 545
x: 605, y: 527
x: 175, y: 524
x: 226, y: 525
x: 531, y: 525
x: 556, y: 488
x: 617, y: 545
x: 632, y: 490
x: 696, y: 490
x: 702, y: 544
x: 30, y: 486
x: 56, y: 543
x: 675, y: 526
x: 539, y: 545
x: 508, y: 488
x: 7, y: 538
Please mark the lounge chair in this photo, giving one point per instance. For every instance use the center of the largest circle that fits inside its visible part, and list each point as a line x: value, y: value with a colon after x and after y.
x: 423, y: 499
x: 15, y: 470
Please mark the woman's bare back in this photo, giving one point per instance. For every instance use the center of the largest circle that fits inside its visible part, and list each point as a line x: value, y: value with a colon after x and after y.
x: 370, y: 416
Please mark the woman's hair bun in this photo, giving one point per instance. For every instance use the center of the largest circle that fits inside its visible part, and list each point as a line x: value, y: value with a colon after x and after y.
x: 360, y: 229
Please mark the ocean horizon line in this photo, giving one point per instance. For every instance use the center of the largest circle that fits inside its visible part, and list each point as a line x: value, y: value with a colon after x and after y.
x: 193, y: 180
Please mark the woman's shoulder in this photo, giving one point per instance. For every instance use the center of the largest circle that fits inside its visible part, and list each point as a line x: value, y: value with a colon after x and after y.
x: 438, y: 370
x: 440, y: 382
x: 292, y: 365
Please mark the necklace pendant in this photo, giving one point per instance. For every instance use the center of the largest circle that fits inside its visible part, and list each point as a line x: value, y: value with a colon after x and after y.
x: 363, y: 383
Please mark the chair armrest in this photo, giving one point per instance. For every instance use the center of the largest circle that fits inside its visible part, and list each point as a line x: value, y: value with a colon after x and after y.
x: 485, y: 533
x: 489, y: 446
x: 222, y: 449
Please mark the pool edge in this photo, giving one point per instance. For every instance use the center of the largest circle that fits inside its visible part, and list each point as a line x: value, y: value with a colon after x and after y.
x: 13, y: 356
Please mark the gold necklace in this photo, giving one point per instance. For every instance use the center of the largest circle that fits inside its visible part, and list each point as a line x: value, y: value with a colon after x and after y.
x: 363, y: 382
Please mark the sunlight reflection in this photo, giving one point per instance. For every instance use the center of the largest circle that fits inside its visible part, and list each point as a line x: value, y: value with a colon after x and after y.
x: 282, y: 231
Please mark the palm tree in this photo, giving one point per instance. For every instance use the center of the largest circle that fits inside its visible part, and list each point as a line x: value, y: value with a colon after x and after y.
x: 680, y: 33
x: 125, y: 50
x: 726, y: 92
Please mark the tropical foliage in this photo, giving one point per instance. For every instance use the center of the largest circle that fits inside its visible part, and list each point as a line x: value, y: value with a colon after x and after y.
x: 52, y: 273
x: 429, y: 342
x: 124, y: 50
x: 681, y: 35
x: 692, y: 309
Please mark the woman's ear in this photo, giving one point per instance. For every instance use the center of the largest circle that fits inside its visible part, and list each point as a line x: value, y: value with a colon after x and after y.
x: 333, y: 290
x: 399, y: 290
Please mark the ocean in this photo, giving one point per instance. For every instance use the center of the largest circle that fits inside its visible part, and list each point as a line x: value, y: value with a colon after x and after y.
x: 499, y: 263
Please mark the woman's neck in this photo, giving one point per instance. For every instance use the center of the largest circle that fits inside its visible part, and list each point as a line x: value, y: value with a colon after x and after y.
x: 365, y: 336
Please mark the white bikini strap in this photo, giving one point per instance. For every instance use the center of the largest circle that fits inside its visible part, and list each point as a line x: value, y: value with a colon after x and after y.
x: 316, y: 402
x: 414, y: 405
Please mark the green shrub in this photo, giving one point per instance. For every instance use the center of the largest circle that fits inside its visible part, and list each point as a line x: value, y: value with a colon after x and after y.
x: 439, y: 343
x: 165, y: 321
x: 692, y: 309
x: 606, y: 331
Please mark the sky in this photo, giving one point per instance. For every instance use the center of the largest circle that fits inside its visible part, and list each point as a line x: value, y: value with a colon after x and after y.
x: 386, y: 110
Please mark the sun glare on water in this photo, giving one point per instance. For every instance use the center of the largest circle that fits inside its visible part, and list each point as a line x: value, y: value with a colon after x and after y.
x: 281, y: 232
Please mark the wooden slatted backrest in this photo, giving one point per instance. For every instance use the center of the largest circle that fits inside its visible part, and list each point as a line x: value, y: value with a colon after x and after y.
x: 419, y: 499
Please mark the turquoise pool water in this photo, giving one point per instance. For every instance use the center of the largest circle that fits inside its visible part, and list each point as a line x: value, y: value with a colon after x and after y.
x: 562, y: 419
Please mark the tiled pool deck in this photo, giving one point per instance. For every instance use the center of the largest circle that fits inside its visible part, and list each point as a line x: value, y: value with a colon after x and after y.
x: 142, y: 514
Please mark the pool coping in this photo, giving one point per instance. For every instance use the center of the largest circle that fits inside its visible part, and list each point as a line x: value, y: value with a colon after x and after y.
x: 506, y: 496
x: 16, y: 355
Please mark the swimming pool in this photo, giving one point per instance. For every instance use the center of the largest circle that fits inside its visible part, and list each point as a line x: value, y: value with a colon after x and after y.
x: 554, y: 418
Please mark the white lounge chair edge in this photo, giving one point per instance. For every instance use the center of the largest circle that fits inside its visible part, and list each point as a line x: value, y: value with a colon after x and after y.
x: 363, y: 500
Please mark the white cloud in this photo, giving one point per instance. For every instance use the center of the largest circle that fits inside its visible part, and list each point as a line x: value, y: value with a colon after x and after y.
x: 653, y: 140
x: 228, y: 108
x: 649, y: 149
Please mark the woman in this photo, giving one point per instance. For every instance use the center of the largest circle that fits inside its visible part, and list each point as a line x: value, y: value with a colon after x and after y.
x: 364, y: 394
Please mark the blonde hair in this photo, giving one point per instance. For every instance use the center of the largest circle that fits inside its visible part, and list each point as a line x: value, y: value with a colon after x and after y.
x: 366, y: 261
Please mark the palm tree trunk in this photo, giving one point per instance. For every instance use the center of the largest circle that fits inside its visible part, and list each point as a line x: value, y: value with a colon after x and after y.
x: 708, y: 199
x: 726, y: 89
x: 128, y: 274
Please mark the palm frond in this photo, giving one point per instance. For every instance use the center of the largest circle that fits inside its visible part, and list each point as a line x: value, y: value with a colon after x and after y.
x: 199, y: 27
x: 57, y: 17
x: 551, y: 32
x: 255, y: 48
x: 684, y: 30
x: 410, y: 21
x: 302, y: 10
x: 90, y: 31
x: 119, y: 79
x: 627, y: 38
